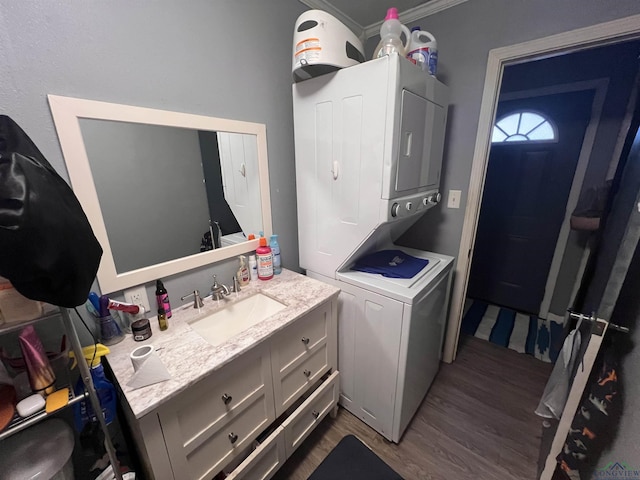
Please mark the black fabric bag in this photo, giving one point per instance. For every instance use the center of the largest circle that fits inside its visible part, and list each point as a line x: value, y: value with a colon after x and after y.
x: 47, y: 248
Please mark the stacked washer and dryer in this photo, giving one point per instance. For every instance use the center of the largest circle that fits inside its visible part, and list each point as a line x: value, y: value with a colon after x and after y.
x: 368, y: 147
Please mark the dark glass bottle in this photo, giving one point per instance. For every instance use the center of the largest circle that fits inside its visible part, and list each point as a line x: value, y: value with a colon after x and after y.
x: 162, y: 297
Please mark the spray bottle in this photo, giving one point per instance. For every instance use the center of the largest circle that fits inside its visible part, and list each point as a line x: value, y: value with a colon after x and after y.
x: 82, y: 411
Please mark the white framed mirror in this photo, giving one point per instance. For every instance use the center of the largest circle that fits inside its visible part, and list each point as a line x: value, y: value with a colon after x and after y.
x: 165, y: 192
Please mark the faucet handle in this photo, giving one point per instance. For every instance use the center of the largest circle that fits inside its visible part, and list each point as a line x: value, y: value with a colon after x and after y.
x: 197, y: 300
x: 236, y: 285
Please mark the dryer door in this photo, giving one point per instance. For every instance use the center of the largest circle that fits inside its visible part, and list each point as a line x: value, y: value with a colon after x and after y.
x: 422, y: 125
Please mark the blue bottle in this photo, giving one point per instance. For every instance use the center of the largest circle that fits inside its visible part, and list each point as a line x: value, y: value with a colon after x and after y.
x: 275, y: 250
x: 83, y: 411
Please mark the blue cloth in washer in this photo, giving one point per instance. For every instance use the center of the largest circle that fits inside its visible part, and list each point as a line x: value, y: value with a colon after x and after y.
x: 390, y: 263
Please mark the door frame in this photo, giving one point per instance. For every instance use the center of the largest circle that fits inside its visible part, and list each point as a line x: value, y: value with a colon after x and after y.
x: 627, y: 28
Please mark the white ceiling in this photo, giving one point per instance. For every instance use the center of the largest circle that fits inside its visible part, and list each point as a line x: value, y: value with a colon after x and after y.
x: 365, y: 16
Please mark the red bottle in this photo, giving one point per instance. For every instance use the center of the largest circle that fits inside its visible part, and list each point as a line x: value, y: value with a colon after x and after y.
x: 265, y: 260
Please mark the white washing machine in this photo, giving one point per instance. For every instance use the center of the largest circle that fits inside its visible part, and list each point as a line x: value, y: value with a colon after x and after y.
x: 390, y: 334
x: 368, y: 144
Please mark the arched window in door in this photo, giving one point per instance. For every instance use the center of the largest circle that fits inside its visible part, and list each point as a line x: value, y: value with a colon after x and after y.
x: 524, y: 126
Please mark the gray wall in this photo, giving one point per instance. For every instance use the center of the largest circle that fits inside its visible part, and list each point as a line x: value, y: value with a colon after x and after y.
x: 228, y: 59
x: 465, y: 34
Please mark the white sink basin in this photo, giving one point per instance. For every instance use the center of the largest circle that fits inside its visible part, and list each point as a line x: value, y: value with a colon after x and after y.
x: 235, y: 318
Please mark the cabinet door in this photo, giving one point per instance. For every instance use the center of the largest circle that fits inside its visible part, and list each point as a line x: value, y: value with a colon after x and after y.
x: 300, y: 355
x: 213, y: 421
x: 240, y: 179
x: 421, y: 145
x: 369, y: 344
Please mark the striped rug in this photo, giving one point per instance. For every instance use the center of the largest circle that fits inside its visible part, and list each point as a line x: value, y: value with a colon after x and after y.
x: 521, y: 332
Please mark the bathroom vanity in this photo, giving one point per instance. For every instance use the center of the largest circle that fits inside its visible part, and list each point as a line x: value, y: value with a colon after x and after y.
x: 251, y: 398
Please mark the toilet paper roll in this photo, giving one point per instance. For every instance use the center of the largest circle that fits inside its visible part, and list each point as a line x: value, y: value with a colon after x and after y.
x: 148, y: 368
x: 141, y: 355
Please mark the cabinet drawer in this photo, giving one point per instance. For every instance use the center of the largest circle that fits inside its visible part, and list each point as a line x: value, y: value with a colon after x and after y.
x: 300, y: 424
x: 203, y: 459
x: 264, y: 461
x: 301, y: 338
x: 216, y: 399
x: 196, y: 424
x: 295, y: 381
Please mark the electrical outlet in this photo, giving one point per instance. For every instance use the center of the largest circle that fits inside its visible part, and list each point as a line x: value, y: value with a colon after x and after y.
x: 138, y: 296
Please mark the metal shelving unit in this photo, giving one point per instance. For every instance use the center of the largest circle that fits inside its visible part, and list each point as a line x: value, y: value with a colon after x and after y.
x: 19, y: 424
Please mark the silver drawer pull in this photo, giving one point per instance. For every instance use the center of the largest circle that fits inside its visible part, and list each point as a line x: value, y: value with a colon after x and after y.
x: 305, y: 340
x: 226, y: 398
x: 307, y: 373
x: 315, y: 414
x: 233, y: 438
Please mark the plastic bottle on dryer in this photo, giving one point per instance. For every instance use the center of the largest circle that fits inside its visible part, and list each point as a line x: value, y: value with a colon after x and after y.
x: 391, y: 32
x: 423, y: 50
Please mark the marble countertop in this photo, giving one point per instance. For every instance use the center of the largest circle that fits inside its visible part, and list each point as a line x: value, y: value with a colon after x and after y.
x: 189, y: 358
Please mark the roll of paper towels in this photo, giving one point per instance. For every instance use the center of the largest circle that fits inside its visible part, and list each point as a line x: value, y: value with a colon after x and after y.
x: 147, y: 366
x: 141, y: 355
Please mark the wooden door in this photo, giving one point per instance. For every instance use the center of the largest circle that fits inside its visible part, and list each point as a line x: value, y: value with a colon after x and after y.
x: 524, y: 201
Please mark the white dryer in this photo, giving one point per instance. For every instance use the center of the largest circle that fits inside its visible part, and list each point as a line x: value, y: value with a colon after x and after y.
x: 369, y: 142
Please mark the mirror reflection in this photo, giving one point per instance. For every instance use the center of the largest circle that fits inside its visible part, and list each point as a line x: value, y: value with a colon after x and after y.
x: 185, y: 190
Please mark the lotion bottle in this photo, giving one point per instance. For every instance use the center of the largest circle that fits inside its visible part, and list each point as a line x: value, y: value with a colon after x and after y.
x: 265, y: 260
x: 243, y: 274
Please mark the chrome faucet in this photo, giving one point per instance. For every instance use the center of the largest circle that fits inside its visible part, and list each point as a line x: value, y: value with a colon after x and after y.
x: 197, y: 301
x: 219, y: 290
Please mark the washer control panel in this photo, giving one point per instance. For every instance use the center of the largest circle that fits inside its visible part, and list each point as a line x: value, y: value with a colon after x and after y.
x: 413, y: 204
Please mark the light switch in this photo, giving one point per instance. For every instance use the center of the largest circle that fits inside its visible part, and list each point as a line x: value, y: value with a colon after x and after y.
x: 454, y: 198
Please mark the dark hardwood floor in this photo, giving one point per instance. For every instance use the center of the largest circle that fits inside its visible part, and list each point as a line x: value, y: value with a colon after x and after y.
x: 476, y: 423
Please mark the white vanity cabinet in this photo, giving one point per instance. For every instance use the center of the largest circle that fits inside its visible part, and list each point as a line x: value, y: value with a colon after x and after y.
x: 281, y: 388
x: 205, y: 426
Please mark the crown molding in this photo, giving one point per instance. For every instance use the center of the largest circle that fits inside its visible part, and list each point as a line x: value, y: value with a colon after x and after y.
x: 344, y: 18
x: 413, y: 14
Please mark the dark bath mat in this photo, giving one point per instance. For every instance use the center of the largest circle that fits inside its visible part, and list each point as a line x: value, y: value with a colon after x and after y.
x: 352, y: 460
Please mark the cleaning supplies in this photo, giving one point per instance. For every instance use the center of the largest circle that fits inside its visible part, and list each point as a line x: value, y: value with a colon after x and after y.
x: 275, y: 250
x: 253, y: 267
x: 83, y: 412
x: 163, y: 298
x: 265, y: 260
x: 391, y: 31
x: 423, y: 50
x: 243, y: 276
